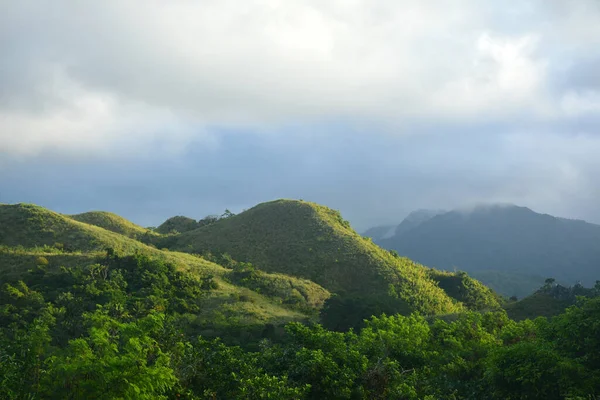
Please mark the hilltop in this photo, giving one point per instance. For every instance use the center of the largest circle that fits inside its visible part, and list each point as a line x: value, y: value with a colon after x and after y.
x: 550, y: 300
x: 112, y: 222
x: 504, y: 244
x: 29, y: 225
x: 311, y: 241
x: 177, y: 224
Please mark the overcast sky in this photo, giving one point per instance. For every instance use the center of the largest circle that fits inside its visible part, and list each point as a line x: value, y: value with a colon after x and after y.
x: 157, y: 108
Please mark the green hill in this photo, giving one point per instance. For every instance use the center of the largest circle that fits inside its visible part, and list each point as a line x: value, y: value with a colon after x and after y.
x: 112, y: 222
x: 31, y: 236
x: 467, y: 290
x: 314, y: 242
x: 179, y: 224
x: 29, y: 226
x: 548, y: 301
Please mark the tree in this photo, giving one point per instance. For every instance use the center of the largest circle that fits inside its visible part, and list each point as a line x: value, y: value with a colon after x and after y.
x: 115, y: 360
x: 548, y: 283
x: 227, y: 214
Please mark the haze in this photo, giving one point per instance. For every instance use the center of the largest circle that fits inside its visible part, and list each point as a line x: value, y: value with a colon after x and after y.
x: 376, y: 108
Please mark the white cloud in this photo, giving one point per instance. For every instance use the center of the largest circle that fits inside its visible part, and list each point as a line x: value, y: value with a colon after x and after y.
x: 88, y: 123
x: 159, y: 70
x: 575, y: 104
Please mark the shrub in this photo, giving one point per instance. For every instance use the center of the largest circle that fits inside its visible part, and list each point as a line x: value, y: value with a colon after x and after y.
x: 41, y: 261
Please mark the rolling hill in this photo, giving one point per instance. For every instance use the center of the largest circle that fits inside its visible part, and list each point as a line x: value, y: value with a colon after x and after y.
x: 307, y: 240
x: 504, y: 244
x: 112, y: 222
x: 32, y: 236
x: 178, y: 224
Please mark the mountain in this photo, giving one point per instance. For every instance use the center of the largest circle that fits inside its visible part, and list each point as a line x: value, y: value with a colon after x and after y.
x: 307, y: 240
x: 380, y: 232
x: 506, y: 240
x: 32, y: 237
x: 415, y: 219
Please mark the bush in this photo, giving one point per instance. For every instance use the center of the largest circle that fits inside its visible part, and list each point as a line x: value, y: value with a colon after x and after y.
x: 41, y: 261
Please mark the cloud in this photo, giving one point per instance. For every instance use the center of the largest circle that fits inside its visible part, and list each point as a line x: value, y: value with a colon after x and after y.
x: 374, y: 107
x: 126, y: 66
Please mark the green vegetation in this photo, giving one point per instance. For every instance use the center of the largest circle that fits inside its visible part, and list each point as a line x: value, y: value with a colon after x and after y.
x: 548, y: 301
x: 30, y: 226
x: 90, y: 313
x: 467, y: 290
x: 114, y: 223
x: 314, y: 242
x: 177, y: 224
x: 126, y: 329
x: 29, y: 233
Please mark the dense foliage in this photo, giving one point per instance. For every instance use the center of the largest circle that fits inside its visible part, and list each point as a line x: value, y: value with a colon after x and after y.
x: 121, y: 329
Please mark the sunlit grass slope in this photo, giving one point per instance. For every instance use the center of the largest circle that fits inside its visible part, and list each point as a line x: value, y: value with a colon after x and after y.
x: 29, y: 232
x: 472, y: 293
x: 314, y: 242
x: 29, y: 225
x: 112, y: 222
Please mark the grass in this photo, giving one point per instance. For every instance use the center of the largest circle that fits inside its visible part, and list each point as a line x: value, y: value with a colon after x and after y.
x: 28, y: 232
x: 177, y: 224
x: 112, y: 222
x: 462, y: 287
x: 307, y: 240
x: 29, y: 225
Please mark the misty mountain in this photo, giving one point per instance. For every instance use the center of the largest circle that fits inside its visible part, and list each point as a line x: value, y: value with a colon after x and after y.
x: 508, y: 247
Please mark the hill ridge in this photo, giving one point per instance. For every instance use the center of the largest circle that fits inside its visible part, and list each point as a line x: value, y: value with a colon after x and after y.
x: 312, y: 241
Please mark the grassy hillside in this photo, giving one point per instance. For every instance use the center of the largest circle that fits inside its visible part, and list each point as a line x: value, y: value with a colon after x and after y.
x: 467, y: 290
x: 29, y: 226
x: 179, y: 224
x: 112, y: 222
x: 314, y: 242
x: 31, y: 236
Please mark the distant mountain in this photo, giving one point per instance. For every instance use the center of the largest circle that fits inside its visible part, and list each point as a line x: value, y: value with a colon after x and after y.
x: 380, y: 232
x: 415, y: 219
x: 503, y: 243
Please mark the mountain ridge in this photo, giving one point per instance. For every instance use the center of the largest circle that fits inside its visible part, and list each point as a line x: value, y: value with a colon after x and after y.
x: 504, y: 238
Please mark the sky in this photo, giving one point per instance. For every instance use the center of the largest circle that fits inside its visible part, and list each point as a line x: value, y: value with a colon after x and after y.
x: 376, y: 108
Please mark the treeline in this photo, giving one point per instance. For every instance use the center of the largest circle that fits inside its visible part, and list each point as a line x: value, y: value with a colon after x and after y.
x: 124, y: 328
